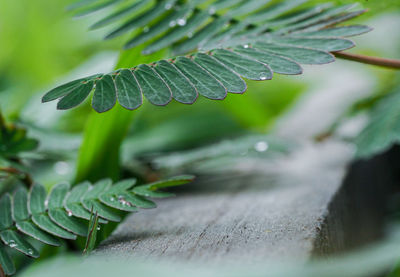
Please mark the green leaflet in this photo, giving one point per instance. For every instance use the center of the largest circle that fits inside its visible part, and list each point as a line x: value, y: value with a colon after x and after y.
x: 119, y: 14
x: 17, y: 242
x: 182, y: 89
x: 5, y: 212
x: 146, y: 192
x: 298, y: 54
x: 324, y: 44
x: 30, y: 229
x: 202, y: 35
x: 62, y: 90
x: 317, y: 19
x: 171, y: 182
x: 76, y: 96
x: 92, y: 233
x: 20, y: 207
x: 204, y: 83
x: 58, y: 214
x: 230, y: 80
x: 275, y: 10
x: 277, y: 63
x: 163, y: 25
x: 330, y: 22
x: 73, y: 201
x: 298, y: 16
x: 143, y: 19
x: 97, y: 7
x: 137, y: 200
x: 178, y: 32
x: 91, y: 203
x: 153, y: 87
x: 104, y: 96
x: 6, y: 262
x: 248, y: 68
x: 345, y: 31
x: 128, y: 91
x: 149, y: 190
x: 46, y: 224
x: 121, y: 186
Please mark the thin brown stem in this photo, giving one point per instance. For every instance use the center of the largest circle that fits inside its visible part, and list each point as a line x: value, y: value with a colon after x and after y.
x: 2, y: 274
x: 25, y: 177
x: 388, y: 63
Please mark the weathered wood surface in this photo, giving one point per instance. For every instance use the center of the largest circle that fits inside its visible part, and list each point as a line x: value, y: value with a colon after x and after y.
x: 272, y: 215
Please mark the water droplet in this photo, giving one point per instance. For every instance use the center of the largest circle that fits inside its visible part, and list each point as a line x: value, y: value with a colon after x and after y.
x: 146, y: 29
x: 212, y: 10
x: 46, y: 203
x: 261, y: 146
x: 181, y: 21
x: 12, y: 243
x: 263, y: 76
x: 168, y: 6
x: 98, y: 228
x: 62, y: 168
x: 69, y: 213
x: 123, y: 202
x: 246, y: 46
x: 172, y: 23
x: 30, y: 251
x: 112, y: 199
x: 190, y: 34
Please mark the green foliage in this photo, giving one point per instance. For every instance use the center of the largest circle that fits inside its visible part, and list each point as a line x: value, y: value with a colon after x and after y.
x: 383, y: 129
x: 62, y: 213
x: 233, y: 39
x: 92, y: 233
x: 14, y: 140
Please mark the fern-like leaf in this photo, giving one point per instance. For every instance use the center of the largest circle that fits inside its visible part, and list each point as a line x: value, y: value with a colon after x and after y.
x: 383, y: 129
x: 233, y: 40
x: 62, y: 213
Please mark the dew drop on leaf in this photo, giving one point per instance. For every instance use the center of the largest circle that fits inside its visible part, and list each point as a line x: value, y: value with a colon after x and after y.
x: 168, y: 6
x: 61, y: 168
x: 12, y: 243
x: 172, y: 23
x: 263, y: 76
x: 181, y: 22
x: 261, y: 146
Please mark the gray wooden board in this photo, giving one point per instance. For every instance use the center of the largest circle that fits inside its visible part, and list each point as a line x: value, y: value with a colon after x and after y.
x: 274, y: 214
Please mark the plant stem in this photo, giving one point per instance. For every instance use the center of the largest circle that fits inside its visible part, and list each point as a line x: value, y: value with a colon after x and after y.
x: 388, y: 63
x: 99, y: 155
x: 25, y: 177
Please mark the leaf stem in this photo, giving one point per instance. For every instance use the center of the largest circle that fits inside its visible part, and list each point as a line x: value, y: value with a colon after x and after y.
x: 25, y: 177
x: 388, y: 63
x: 2, y: 274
